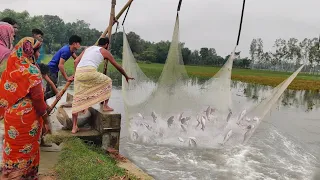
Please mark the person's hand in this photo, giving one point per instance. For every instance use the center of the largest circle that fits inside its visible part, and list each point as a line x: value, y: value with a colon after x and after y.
x: 129, y: 78
x: 49, y: 109
x: 58, y: 96
x: 47, y: 129
x: 71, y: 78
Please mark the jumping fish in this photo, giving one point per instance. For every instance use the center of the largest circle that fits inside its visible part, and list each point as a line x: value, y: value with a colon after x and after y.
x: 170, y: 121
x: 212, y: 110
x: 147, y: 126
x: 154, y: 116
x: 208, y: 112
x: 135, y: 135
x: 140, y: 115
x: 180, y: 116
x: 242, y: 114
x: 203, y: 122
x: 226, y: 137
x: 198, y: 120
x: 246, y: 134
x: 180, y: 139
x: 185, y: 120
x: 229, y: 115
x: 192, y: 142
x: 183, y: 128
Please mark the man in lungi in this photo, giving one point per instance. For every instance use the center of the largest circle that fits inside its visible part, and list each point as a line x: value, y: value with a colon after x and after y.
x: 90, y: 86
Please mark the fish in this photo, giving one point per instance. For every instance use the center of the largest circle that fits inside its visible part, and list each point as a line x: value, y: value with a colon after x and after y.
x: 148, y: 126
x: 256, y: 119
x: 154, y: 116
x: 135, y: 135
x: 140, y: 115
x: 247, y: 133
x: 212, y: 110
x: 242, y: 114
x: 180, y: 117
x: 227, y: 137
x: 185, y: 120
x: 203, y: 122
x: 180, y: 139
x: 183, y: 128
x: 170, y: 121
x: 229, y: 115
x: 198, y: 120
x: 208, y: 112
x: 192, y: 142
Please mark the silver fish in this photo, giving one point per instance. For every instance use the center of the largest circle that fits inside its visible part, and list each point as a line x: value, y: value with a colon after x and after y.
x: 180, y: 117
x: 180, y: 139
x: 198, y: 120
x: 247, y: 133
x: 227, y: 137
x: 135, y: 135
x: 147, y: 126
x: 208, y: 112
x: 170, y: 121
x: 229, y: 115
x: 242, y: 114
x: 154, y: 116
x: 140, y: 115
x: 203, y: 122
x: 192, y: 142
x: 183, y: 128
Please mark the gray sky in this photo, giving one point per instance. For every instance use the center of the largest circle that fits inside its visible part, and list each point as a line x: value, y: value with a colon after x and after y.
x: 203, y: 23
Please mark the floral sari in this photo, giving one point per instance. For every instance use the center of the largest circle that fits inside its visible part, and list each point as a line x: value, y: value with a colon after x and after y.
x: 21, y: 106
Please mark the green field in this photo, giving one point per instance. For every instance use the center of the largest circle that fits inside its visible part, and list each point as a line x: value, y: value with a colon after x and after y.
x: 303, y: 81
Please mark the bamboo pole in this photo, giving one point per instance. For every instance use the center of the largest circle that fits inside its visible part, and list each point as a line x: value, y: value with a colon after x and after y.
x: 103, y: 35
x: 111, y: 22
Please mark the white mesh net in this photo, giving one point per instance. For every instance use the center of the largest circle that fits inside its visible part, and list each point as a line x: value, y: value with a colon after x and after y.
x: 175, y: 111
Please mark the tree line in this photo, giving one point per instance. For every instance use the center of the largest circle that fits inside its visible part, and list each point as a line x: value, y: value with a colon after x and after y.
x: 286, y: 55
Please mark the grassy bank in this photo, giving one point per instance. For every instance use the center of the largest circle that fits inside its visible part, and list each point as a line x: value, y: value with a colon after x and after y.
x: 303, y: 81
x: 83, y: 162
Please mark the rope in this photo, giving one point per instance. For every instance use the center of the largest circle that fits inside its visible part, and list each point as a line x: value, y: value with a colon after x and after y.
x: 244, y: 2
x: 124, y: 19
x: 179, y: 5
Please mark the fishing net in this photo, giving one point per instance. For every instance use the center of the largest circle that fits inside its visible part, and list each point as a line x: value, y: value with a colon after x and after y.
x: 177, y: 111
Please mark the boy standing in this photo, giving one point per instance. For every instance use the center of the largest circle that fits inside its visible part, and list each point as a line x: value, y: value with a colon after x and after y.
x: 58, y: 60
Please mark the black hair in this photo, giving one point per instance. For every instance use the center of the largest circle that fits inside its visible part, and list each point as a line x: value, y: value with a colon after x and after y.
x: 74, y: 39
x: 44, y: 69
x: 9, y: 20
x: 37, y: 31
x: 103, y: 41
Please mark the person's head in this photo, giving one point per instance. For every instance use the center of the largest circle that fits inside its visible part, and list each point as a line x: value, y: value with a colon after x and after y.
x: 30, y: 47
x: 12, y: 22
x: 6, y: 35
x: 75, y: 41
x: 37, y: 34
x: 103, y: 42
x: 44, y: 69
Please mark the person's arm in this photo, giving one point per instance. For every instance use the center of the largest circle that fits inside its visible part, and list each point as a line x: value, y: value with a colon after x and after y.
x: 61, y: 68
x: 107, y: 55
x: 74, y: 56
x: 77, y: 60
x: 46, y: 77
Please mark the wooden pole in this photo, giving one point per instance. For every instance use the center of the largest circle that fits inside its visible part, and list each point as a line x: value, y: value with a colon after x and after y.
x: 104, y: 34
x: 111, y: 22
x: 61, y: 93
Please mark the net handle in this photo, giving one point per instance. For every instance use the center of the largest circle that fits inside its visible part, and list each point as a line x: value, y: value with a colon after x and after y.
x: 244, y: 2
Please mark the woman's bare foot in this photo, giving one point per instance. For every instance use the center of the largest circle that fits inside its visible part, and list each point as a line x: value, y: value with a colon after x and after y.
x: 75, y: 130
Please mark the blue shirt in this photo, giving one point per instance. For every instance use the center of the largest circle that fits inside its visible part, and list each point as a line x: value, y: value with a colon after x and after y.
x: 63, y: 53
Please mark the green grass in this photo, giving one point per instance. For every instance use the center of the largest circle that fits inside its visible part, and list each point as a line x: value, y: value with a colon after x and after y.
x: 303, y: 81
x: 82, y: 162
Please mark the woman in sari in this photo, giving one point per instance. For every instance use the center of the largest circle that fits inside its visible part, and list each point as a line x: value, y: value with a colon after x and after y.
x: 6, y: 39
x: 24, y: 112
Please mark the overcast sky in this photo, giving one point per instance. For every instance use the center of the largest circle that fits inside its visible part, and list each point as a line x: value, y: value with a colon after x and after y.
x: 203, y: 23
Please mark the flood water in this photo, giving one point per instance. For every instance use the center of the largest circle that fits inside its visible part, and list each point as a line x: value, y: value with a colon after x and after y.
x: 285, y: 146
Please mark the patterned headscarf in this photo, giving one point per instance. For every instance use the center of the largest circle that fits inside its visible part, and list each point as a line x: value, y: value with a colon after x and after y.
x: 6, y: 34
x: 20, y: 75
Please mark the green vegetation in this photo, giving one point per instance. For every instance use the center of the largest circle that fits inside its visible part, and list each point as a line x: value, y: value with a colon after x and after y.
x: 83, y: 162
